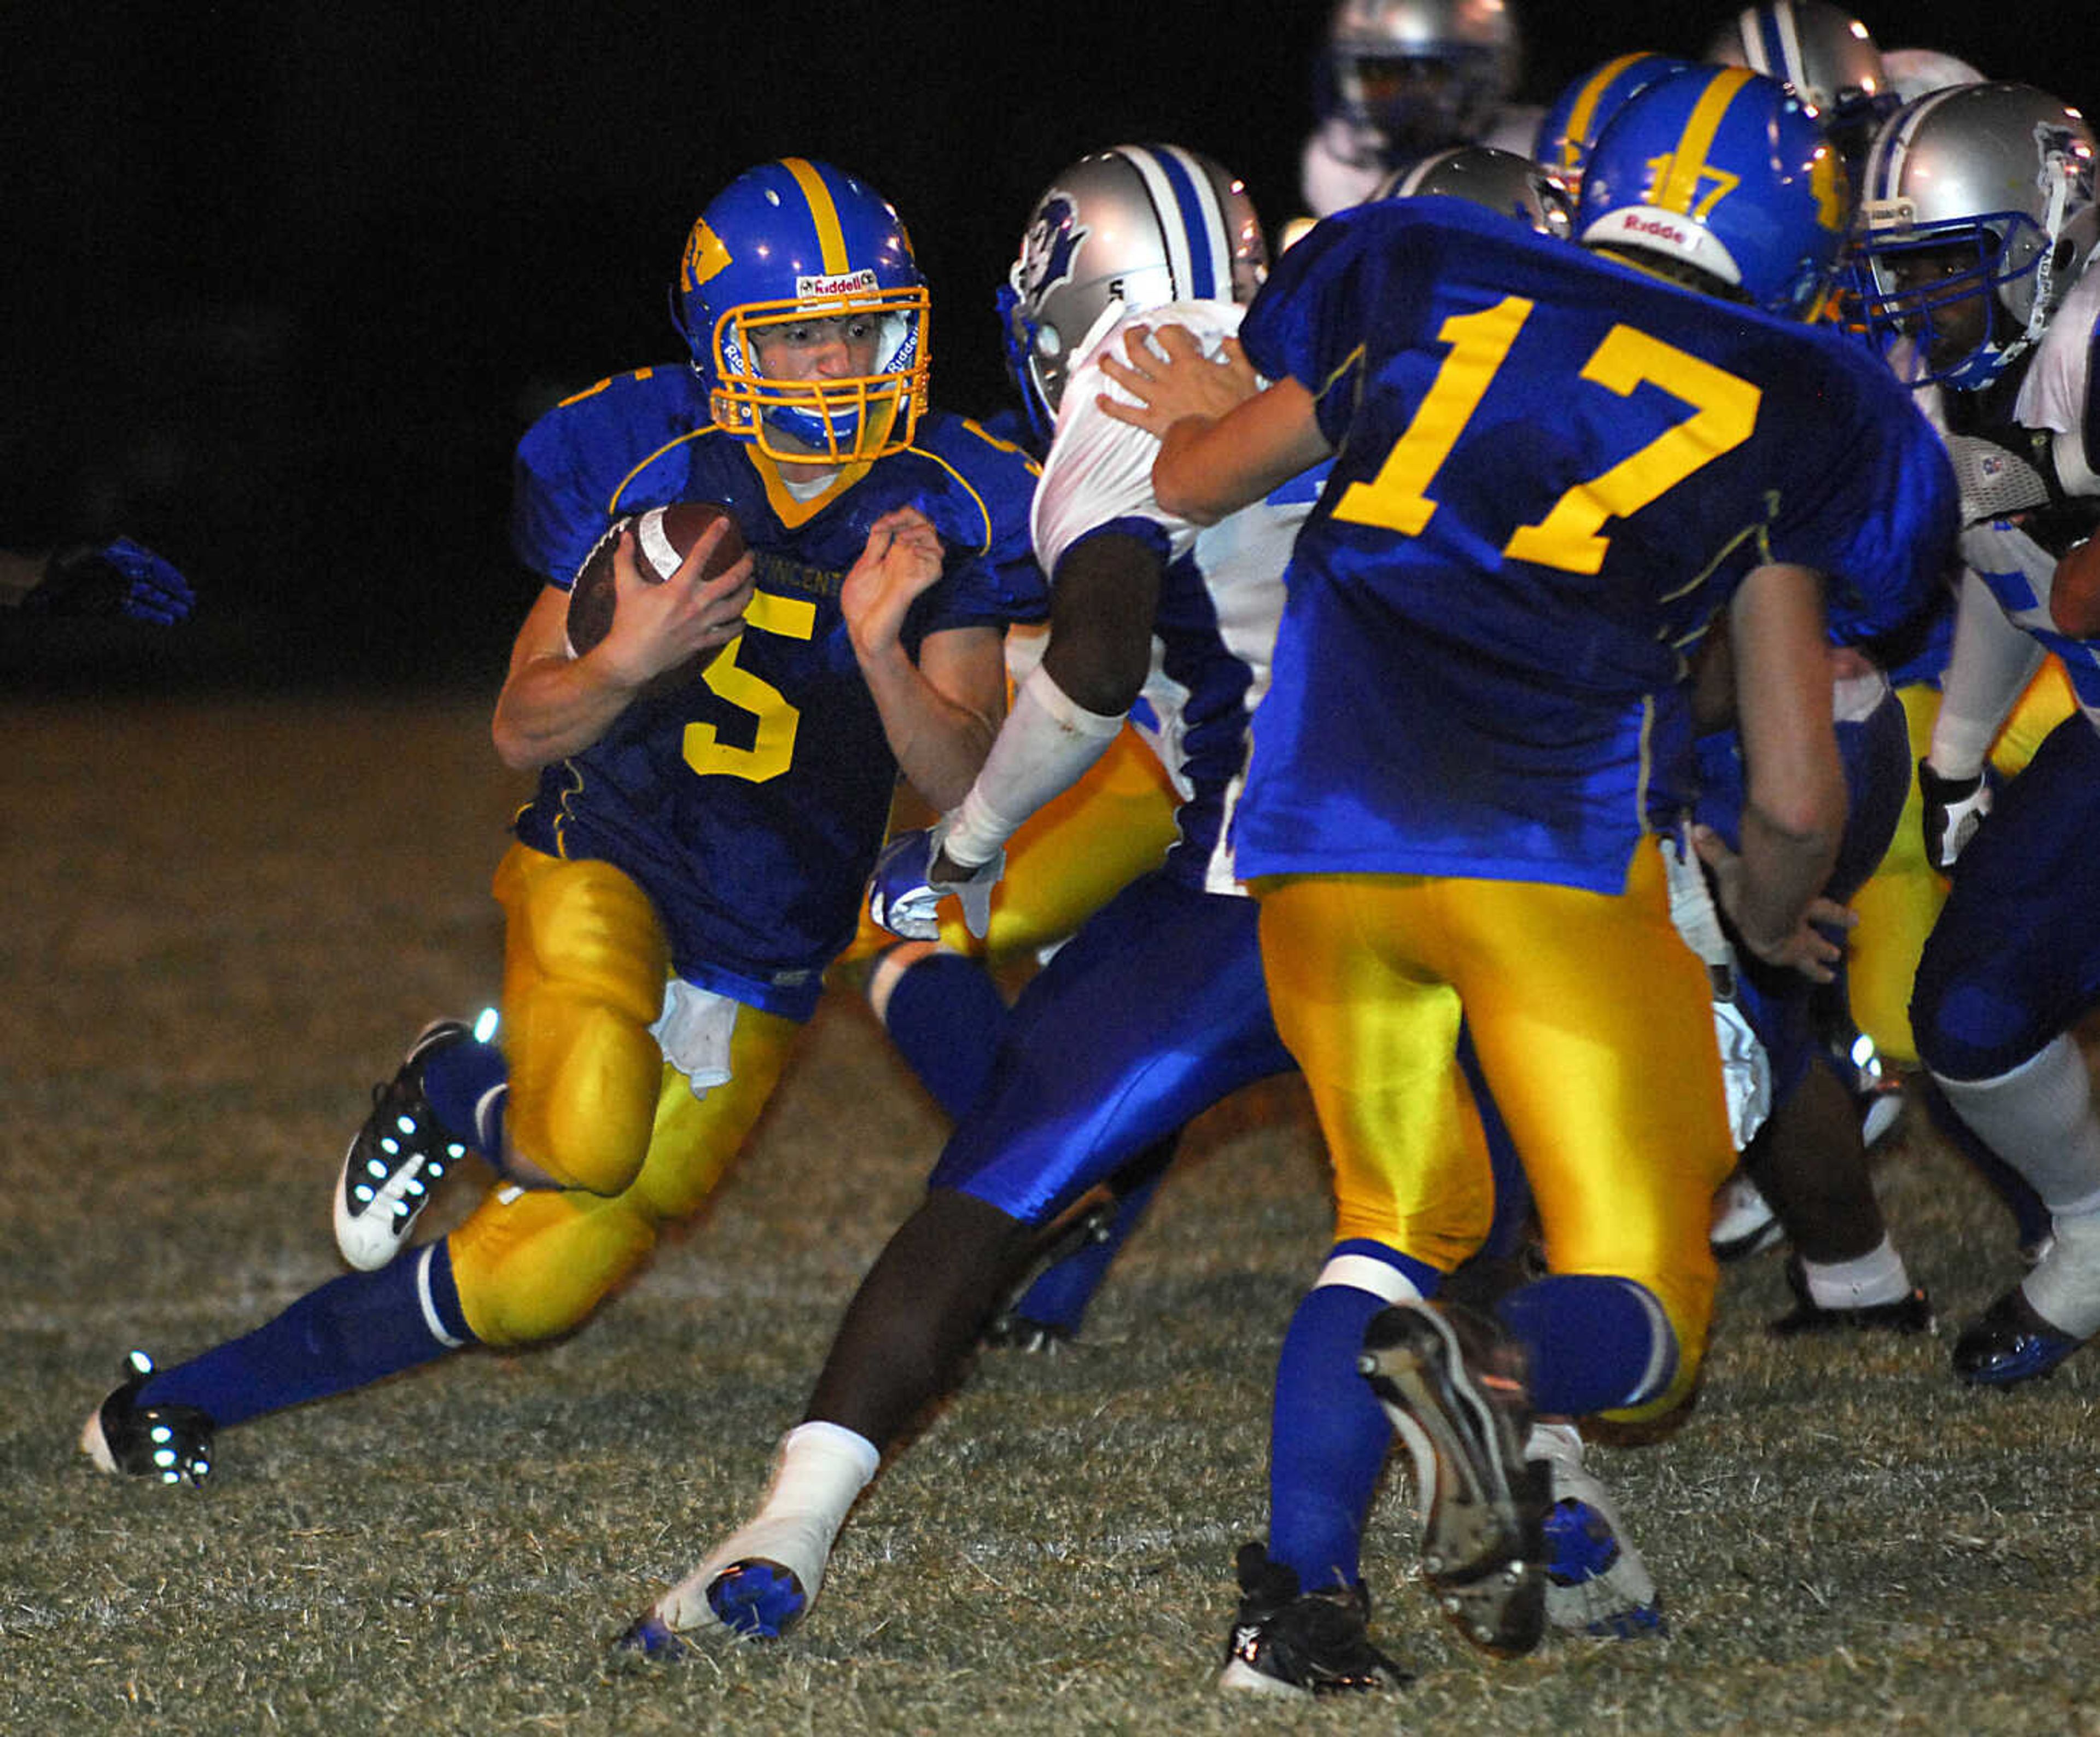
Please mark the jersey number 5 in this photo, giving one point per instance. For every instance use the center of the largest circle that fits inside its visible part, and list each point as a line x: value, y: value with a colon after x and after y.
x: 1724, y: 411
x: 773, y: 744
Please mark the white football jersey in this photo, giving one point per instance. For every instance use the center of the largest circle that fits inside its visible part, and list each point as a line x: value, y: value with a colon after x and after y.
x: 1221, y: 595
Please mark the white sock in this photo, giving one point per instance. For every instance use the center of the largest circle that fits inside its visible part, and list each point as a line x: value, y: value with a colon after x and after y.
x: 2039, y: 1118
x: 822, y: 1469
x: 1875, y: 1277
x: 2064, y: 1287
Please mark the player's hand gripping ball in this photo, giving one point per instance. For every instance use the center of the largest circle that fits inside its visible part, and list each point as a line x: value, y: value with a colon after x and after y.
x: 664, y: 536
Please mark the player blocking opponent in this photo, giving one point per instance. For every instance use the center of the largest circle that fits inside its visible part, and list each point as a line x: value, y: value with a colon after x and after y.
x: 1980, y: 211
x: 1554, y: 468
x: 695, y: 853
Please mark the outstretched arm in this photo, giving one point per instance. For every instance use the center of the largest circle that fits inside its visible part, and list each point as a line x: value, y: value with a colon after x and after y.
x: 1225, y: 440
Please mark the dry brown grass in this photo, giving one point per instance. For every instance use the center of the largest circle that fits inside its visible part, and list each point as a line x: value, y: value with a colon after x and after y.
x: 226, y: 916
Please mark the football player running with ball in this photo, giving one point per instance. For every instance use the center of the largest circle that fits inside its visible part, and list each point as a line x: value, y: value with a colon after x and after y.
x: 696, y: 854
x: 1554, y: 468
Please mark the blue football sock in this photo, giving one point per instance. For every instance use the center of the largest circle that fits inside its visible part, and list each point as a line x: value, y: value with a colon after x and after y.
x: 945, y: 1016
x: 1061, y: 1291
x: 352, y: 1330
x: 1328, y: 1436
x: 467, y: 1084
x: 1590, y: 1343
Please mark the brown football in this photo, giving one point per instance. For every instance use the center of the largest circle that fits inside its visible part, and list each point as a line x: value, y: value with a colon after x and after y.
x: 664, y: 536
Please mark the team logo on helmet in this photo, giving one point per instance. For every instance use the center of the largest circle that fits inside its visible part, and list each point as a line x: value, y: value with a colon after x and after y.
x: 1050, y: 250
x: 2062, y: 157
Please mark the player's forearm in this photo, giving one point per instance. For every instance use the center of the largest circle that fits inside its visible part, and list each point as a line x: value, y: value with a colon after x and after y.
x: 1786, y: 863
x: 1207, y: 470
x: 939, y: 742
x: 554, y: 706
x: 1046, y: 745
x: 1992, y: 660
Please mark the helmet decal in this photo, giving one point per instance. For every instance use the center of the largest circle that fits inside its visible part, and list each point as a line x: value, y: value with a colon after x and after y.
x: 1050, y: 250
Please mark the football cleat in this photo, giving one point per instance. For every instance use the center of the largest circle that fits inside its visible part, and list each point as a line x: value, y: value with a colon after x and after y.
x: 1031, y: 1338
x: 648, y: 1637
x: 1908, y: 1314
x: 1595, y: 1580
x: 1289, y: 1642
x: 759, y: 1582
x: 1743, y: 1222
x: 2009, y: 1344
x: 394, y: 1164
x: 1452, y: 1383
x: 171, y: 1443
x: 759, y: 1599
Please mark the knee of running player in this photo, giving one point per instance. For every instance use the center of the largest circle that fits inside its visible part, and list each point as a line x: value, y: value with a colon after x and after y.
x: 584, y: 984
x: 532, y: 1264
x: 1623, y: 1347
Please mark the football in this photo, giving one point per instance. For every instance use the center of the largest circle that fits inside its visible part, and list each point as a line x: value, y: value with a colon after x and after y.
x: 664, y: 536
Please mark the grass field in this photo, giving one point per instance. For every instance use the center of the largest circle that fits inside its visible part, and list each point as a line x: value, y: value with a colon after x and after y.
x: 226, y: 917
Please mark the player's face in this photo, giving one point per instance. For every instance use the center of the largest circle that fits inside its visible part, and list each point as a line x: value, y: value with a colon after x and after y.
x: 1957, y: 326
x: 841, y: 346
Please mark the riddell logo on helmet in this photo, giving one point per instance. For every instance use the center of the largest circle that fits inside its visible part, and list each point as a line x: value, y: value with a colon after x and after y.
x: 845, y: 283
x: 1658, y: 229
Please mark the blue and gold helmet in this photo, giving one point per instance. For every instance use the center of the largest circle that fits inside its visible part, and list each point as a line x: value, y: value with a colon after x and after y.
x: 1570, y: 127
x: 1724, y: 170
x: 797, y: 240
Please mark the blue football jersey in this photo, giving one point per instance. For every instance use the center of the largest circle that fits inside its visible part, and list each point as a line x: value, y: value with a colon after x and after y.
x: 750, y: 802
x: 1552, y: 470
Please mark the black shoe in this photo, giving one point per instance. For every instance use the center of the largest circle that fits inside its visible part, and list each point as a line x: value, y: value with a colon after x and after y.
x: 1037, y: 1338
x: 1910, y: 1314
x: 2009, y: 1344
x: 1285, y: 1641
x: 171, y: 1443
x: 397, y: 1159
x: 1452, y: 1382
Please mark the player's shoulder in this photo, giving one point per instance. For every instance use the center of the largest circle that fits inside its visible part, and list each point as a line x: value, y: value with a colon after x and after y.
x: 975, y: 485
x: 963, y: 443
x: 617, y: 421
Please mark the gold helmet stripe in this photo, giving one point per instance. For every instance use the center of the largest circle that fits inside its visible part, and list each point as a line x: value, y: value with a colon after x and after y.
x: 1586, y: 104
x: 1678, y: 186
x: 829, y: 237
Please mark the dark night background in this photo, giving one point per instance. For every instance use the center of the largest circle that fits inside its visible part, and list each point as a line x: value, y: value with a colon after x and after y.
x: 286, y: 281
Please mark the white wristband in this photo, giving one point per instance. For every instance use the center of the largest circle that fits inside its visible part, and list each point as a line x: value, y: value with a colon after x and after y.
x: 1043, y: 748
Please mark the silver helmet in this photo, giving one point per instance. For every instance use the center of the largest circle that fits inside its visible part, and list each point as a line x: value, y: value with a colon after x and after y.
x: 1822, y: 53
x: 1978, y: 195
x: 1913, y: 72
x: 1130, y: 228
x: 1411, y: 75
x: 1500, y: 180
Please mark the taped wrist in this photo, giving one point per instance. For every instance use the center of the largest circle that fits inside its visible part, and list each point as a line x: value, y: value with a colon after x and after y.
x: 1044, y: 747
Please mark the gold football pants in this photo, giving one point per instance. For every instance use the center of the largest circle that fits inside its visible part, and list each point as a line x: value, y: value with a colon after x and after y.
x: 1075, y: 854
x: 1900, y: 902
x: 593, y: 1102
x: 1593, y: 1025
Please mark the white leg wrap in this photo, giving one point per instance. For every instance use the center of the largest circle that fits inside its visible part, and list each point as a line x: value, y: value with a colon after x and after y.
x: 2039, y: 1118
x: 822, y: 1469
